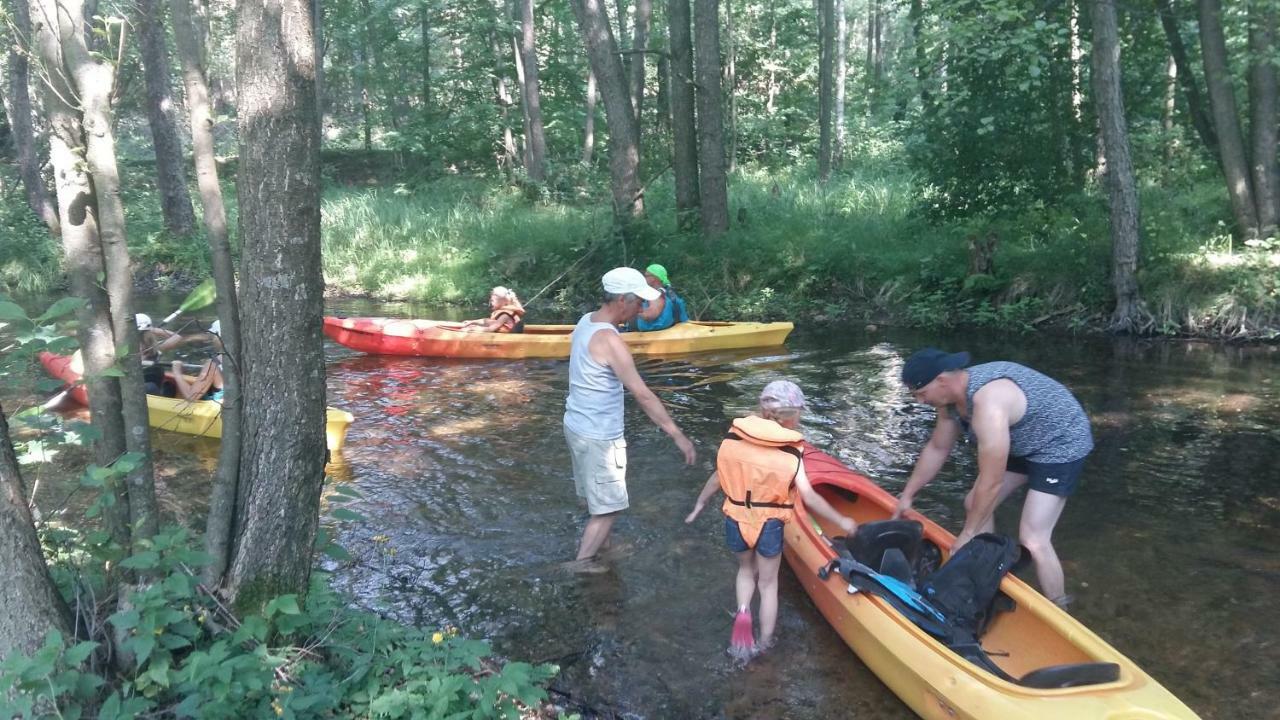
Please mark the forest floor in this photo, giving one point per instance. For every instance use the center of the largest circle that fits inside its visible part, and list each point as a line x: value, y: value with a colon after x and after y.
x: 863, y: 248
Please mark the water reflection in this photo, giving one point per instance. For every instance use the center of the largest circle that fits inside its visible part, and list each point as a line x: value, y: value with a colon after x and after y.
x: 1169, y: 546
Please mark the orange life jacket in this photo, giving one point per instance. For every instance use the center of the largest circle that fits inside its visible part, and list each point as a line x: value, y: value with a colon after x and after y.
x: 757, y: 464
x: 516, y: 311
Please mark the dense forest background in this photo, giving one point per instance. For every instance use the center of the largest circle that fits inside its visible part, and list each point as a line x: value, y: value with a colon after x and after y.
x: 924, y: 163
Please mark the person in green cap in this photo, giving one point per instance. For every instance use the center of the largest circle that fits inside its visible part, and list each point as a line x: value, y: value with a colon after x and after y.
x: 667, y: 310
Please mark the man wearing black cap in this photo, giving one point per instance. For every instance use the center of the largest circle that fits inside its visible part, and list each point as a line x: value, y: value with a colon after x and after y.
x: 1029, y: 429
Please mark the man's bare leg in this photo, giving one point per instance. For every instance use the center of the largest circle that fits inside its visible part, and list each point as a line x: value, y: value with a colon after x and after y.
x: 1040, y: 514
x: 595, y: 534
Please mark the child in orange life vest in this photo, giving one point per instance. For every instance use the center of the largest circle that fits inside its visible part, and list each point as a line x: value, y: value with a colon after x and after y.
x: 757, y: 466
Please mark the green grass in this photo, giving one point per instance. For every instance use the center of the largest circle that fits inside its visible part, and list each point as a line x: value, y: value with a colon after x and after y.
x: 859, y: 248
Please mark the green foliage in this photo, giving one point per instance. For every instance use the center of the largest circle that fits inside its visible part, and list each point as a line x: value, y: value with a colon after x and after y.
x: 189, y: 657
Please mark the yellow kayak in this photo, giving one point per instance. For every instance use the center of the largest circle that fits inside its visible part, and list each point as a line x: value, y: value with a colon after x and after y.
x: 431, y: 338
x: 1035, y: 638
x: 204, y: 417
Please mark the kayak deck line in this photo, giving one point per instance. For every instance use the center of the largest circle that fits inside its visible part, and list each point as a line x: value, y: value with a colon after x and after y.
x: 431, y: 338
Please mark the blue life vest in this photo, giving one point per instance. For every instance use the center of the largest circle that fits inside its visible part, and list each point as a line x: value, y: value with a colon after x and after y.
x: 672, y: 312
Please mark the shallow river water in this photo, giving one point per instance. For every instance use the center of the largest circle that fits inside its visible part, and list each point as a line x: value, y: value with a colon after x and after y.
x: 1171, y: 547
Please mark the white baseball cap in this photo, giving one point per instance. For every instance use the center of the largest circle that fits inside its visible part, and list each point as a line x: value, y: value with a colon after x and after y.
x: 143, y: 320
x: 623, y: 280
x: 216, y: 327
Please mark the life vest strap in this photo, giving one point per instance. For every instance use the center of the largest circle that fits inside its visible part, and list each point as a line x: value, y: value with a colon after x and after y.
x: 749, y: 504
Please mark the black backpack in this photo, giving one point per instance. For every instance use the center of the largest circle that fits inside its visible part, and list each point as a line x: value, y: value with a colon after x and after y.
x: 966, y: 586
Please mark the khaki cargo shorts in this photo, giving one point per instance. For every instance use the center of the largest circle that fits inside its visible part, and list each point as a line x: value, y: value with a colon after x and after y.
x: 599, y: 472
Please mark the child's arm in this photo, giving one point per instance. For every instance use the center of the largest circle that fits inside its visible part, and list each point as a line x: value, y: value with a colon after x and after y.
x: 713, y: 484
x: 819, y: 504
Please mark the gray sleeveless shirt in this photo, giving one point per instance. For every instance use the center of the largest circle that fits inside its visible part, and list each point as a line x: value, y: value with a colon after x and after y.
x: 594, y: 407
x: 1054, y: 429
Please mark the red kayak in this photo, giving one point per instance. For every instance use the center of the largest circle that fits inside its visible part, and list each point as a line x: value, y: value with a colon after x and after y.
x: 59, y: 366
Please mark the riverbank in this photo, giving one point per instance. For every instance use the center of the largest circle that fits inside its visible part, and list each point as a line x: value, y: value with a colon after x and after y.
x: 860, y: 249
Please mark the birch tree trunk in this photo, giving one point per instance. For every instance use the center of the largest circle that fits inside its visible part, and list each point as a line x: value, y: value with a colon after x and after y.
x: 535, y: 142
x: 826, y: 85
x: 842, y: 73
x: 712, y: 183
x: 220, y: 523
x: 171, y: 176
x: 624, y: 153
x: 1262, y: 113
x: 684, y: 133
x: 19, y: 107
x: 282, y: 295
x: 1225, y: 120
x: 30, y: 605
x: 1123, y: 193
x: 589, y: 126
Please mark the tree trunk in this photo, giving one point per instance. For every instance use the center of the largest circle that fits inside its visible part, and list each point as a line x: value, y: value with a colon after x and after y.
x: 639, y: 45
x: 317, y: 22
x: 362, y: 75
x: 712, y: 183
x: 663, y: 98
x: 921, y: 56
x: 1170, y: 108
x: 1225, y: 120
x: 871, y: 53
x: 826, y: 84
x: 171, y: 176
x: 424, y: 18
x: 730, y: 81
x: 771, y: 94
x: 1262, y: 113
x: 82, y: 247
x: 93, y: 79
x: 684, y: 133
x: 1123, y: 193
x: 219, y: 525
x: 509, y: 158
x: 535, y: 142
x: 624, y: 154
x: 842, y: 74
x: 282, y: 295
x: 1200, y: 119
x: 589, y: 126
x: 19, y: 106
x: 30, y: 605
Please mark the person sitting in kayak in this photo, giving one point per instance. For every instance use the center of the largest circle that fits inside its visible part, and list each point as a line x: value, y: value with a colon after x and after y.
x: 208, y: 384
x: 759, y: 463
x: 507, y: 315
x: 664, y: 312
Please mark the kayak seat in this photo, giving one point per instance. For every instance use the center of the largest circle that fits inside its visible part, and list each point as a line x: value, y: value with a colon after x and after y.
x: 896, y: 565
x: 873, y: 539
x: 1073, y: 675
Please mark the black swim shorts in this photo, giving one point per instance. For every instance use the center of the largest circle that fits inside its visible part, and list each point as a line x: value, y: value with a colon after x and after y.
x: 1053, y: 478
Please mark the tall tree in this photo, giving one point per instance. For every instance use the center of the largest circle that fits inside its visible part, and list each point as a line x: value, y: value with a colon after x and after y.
x: 713, y: 187
x: 624, y: 152
x: 171, y: 176
x: 19, y: 107
x: 93, y: 77
x: 535, y: 141
x: 1226, y: 122
x: 916, y: 16
x: 1262, y: 112
x: 589, y: 125
x: 639, y: 48
x: 281, y: 300
x: 424, y: 20
x: 684, y: 133
x: 82, y: 248
x: 1200, y: 119
x: 1109, y: 99
x: 30, y: 605
x: 842, y: 73
x: 826, y: 84
x: 222, y: 500
x: 730, y: 81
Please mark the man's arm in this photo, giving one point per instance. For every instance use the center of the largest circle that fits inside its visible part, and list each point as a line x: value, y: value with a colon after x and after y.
x: 932, y: 457
x: 991, y: 428
x: 618, y: 357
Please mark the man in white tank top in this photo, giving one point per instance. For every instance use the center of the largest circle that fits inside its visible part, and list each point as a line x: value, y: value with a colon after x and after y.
x: 600, y: 366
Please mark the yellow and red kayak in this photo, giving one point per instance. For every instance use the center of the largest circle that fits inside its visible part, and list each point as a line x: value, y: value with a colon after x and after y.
x: 201, y: 417
x: 431, y: 338
x: 930, y: 678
